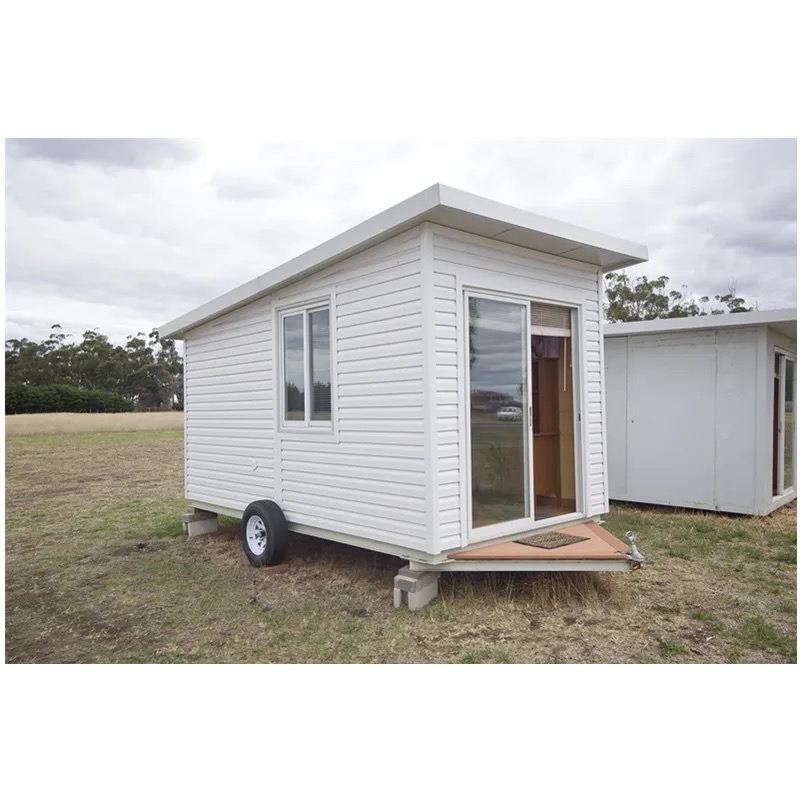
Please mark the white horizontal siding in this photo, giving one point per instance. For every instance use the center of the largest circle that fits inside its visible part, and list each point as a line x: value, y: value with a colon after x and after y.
x: 492, y: 261
x: 482, y: 264
x: 450, y: 520
x: 367, y: 477
x: 368, y: 480
x: 594, y: 398
x: 230, y: 409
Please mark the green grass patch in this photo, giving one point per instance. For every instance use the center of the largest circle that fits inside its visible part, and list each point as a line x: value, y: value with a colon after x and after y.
x: 486, y: 655
x: 758, y: 634
x: 116, y: 581
x: 786, y: 555
x: 701, y: 615
x: 669, y: 647
x: 787, y: 608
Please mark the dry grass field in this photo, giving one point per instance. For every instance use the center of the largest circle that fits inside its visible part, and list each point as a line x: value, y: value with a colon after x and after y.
x: 28, y: 424
x: 98, y: 570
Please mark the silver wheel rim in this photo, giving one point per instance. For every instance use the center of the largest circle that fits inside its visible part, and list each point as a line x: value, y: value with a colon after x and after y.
x: 256, y: 533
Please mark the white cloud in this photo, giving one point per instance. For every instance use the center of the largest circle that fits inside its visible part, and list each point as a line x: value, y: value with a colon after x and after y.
x: 126, y: 237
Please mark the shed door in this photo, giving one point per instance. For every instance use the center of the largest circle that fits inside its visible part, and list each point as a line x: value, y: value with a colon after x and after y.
x: 784, y: 440
x: 499, y: 379
x: 671, y: 420
x: 523, y: 414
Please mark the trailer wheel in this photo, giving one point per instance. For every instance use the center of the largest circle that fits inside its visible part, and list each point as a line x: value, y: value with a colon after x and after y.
x: 264, y: 533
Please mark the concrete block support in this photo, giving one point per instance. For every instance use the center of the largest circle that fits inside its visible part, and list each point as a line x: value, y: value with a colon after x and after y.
x: 196, y: 522
x: 415, y: 589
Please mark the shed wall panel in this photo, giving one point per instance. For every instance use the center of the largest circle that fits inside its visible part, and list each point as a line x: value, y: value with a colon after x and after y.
x: 735, y: 428
x: 349, y: 480
x: 230, y: 409
x: 616, y: 369
x: 367, y: 476
x: 698, y: 428
x: 451, y: 521
x: 475, y: 263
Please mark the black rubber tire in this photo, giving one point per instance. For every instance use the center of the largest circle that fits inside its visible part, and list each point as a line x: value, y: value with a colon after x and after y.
x: 276, y: 529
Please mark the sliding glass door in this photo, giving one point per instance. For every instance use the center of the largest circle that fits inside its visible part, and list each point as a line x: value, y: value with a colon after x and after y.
x: 523, y: 421
x: 499, y: 408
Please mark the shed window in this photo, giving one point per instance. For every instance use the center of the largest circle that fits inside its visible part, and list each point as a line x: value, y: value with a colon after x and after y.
x: 306, y: 339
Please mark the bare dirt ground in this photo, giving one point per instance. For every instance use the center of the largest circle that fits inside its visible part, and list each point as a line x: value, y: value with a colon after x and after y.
x: 98, y: 570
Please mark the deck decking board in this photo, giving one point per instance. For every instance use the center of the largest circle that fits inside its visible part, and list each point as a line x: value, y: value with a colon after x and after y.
x: 599, y: 545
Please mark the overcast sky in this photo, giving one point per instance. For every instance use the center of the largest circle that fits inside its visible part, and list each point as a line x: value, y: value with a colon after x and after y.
x: 124, y: 235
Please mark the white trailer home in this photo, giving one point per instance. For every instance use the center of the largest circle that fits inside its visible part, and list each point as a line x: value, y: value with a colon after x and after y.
x: 427, y: 384
x: 701, y: 411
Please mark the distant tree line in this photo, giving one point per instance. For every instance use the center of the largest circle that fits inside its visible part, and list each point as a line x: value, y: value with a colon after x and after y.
x: 146, y: 373
x: 59, y: 374
x: 635, y: 300
x: 295, y: 399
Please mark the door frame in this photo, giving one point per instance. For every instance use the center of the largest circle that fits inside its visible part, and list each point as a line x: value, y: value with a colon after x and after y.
x: 780, y: 450
x: 523, y: 524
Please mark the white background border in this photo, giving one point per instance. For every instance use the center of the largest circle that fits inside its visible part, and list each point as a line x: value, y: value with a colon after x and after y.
x: 355, y: 70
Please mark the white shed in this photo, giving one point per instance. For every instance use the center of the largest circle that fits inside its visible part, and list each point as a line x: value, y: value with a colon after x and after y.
x: 427, y: 383
x: 701, y: 411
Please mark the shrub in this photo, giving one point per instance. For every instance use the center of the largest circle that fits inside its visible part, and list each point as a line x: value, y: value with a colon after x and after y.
x: 55, y: 398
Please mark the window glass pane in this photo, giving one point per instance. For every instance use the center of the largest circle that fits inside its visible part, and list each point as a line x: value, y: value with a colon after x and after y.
x: 498, y: 411
x: 319, y: 331
x: 293, y: 367
x: 788, y: 427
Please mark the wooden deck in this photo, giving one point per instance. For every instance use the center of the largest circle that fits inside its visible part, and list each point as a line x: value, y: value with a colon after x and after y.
x: 600, y: 552
x: 599, y: 545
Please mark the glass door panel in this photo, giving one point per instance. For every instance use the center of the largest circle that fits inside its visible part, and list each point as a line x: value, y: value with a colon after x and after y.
x: 788, y: 425
x: 784, y: 439
x: 498, y: 369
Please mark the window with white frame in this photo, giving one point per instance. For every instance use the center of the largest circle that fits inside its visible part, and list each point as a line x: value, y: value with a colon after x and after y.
x: 306, y: 366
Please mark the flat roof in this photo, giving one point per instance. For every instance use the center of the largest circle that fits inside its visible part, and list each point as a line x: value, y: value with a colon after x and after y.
x: 445, y: 206
x: 783, y: 319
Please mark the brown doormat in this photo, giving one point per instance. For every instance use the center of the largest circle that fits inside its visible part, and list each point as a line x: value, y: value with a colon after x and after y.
x: 549, y: 541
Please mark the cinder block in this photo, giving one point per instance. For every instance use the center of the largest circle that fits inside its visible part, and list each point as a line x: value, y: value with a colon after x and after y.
x: 195, y: 514
x: 404, y: 583
x: 423, y: 596
x: 197, y: 523
x: 415, y: 589
x: 411, y: 581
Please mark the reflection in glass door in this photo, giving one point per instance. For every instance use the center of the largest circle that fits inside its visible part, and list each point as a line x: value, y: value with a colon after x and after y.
x: 499, y: 432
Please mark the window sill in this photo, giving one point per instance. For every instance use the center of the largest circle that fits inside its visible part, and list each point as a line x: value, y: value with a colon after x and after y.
x: 303, y: 433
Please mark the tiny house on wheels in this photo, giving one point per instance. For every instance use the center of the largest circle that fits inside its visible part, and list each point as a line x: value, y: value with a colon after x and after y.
x: 701, y: 411
x: 427, y: 384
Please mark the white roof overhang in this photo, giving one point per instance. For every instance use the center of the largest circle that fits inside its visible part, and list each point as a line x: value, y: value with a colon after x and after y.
x: 783, y: 320
x: 444, y: 206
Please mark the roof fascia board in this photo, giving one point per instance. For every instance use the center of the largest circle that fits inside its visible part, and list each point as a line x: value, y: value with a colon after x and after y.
x: 518, y: 217
x: 707, y: 322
